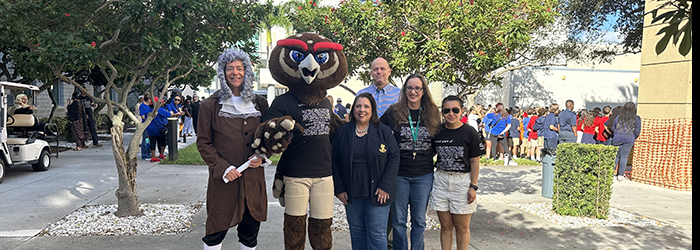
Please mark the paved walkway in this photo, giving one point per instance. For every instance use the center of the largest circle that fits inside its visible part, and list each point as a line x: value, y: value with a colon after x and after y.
x: 32, y: 200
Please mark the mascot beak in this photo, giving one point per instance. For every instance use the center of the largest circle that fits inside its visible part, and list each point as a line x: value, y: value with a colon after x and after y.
x: 309, y: 68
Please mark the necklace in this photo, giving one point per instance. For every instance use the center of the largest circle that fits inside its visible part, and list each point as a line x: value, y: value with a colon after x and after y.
x: 361, y: 133
x: 414, y: 131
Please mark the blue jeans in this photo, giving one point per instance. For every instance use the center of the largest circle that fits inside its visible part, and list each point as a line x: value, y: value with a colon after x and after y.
x: 623, y: 152
x: 413, y: 191
x: 145, y: 147
x: 367, y: 224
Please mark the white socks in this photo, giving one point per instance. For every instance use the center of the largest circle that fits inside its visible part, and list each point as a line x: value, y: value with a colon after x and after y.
x: 217, y: 247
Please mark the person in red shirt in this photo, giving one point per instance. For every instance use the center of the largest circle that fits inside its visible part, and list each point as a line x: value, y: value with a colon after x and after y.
x: 532, y: 135
x: 582, y: 114
x: 588, y: 128
x: 599, y: 123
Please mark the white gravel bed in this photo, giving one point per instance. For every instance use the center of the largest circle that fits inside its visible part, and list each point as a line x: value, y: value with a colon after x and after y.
x: 99, y: 220
x: 340, y: 219
x: 616, y: 217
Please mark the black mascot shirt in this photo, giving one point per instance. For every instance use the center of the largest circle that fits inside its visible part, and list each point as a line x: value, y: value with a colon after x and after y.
x: 410, y: 165
x: 309, y: 154
x: 455, y: 147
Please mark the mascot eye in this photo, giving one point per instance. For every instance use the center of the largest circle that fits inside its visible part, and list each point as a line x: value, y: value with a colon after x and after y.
x: 322, y: 58
x: 297, y: 56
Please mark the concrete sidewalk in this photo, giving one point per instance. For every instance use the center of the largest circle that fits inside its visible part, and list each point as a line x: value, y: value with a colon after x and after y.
x: 30, y: 201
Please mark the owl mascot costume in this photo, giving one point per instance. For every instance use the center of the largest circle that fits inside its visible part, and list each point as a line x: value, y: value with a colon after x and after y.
x: 300, y: 123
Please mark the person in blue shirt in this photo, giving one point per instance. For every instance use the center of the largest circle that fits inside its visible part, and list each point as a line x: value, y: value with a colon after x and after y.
x: 551, y: 128
x: 499, y: 123
x: 567, y: 123
x: 487, y: 130
x: 340, y: 110
x: 144, y: 109
x: 384, y: 93
x: 154, y: 131
x: 625, y: 127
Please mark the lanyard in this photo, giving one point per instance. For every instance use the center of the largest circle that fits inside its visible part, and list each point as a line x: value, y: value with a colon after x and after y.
x: 414, y: 131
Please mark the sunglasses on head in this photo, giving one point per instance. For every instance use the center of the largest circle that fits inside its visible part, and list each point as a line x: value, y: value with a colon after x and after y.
x: 447, y: 111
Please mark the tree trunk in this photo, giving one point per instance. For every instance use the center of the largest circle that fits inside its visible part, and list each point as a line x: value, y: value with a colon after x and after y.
x: 127, y: 200
x: 471, y: 99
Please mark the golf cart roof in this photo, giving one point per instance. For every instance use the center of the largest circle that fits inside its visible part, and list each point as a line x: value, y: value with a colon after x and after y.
x: 14, y: 85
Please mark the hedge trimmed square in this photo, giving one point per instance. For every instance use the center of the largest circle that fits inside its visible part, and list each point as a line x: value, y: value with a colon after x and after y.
x: 583, y: 177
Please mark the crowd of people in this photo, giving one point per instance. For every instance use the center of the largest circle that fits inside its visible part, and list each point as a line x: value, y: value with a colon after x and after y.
x: 514, y: 133
x: 185, y: 108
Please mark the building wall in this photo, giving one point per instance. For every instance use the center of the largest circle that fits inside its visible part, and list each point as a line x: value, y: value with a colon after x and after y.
x: 663, y: 152
x: 588, y: 85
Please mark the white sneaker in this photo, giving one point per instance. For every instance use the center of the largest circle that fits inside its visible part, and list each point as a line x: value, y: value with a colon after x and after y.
x: 217, y: 247
x: 244, y: 247
x: 620, y: 178
x: 513, y: 163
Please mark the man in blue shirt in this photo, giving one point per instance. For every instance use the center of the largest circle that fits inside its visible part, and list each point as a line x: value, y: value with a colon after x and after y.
x: 340, y: 109
x: 384, y: 93
x: 567, y: 122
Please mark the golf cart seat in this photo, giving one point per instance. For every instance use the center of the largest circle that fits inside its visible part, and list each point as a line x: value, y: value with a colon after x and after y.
x: 25, y: 130
x: 21, y: 121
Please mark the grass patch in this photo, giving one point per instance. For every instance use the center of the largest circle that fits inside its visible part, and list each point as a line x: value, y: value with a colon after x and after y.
x: 190, y: 156
x: 521, y: 162
x: 186, y: 156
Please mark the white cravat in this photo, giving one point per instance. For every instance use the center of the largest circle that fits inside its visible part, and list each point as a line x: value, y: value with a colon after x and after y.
x: 236, y: 107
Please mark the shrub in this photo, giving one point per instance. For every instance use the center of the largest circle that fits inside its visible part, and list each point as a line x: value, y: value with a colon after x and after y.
x: 64, y: 127
x: 583, y: 177
x: 102, y: 122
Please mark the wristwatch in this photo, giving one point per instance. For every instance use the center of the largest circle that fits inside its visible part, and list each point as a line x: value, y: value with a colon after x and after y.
x: 473, y: 186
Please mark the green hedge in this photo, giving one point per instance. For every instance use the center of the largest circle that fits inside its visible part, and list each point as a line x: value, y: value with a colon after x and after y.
x: 64, y: 127
x: 583, y: 177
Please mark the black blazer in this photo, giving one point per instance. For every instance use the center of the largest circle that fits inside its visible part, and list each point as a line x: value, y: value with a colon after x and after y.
x: 383, y: 162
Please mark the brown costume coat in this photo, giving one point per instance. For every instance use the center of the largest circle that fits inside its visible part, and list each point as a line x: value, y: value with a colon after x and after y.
x: 222, y: 142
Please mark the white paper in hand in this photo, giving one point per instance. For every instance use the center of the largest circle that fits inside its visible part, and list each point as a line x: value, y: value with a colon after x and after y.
x: 239, y: 169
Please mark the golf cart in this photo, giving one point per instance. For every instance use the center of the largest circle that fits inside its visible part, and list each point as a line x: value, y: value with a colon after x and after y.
x: 19, y: 145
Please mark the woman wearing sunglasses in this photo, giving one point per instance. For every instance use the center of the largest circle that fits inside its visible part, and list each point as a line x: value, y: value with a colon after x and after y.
x: 458, y: 148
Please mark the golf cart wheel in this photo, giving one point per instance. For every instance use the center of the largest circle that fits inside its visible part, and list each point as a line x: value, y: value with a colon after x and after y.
x: 44, y: 161
x: 2, y: 170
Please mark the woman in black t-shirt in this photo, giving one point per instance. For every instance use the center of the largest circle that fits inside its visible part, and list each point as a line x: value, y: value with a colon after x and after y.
x: 458, y: 147
x: 414, y: 121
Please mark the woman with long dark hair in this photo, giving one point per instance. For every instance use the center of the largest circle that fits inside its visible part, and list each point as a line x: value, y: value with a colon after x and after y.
x: 625, y: 128
x: 77, y: 117
x: 365, y: 166
x: 414, y: 120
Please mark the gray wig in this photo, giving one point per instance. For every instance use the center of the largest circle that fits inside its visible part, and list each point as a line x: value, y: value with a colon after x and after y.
x: 228, y: 56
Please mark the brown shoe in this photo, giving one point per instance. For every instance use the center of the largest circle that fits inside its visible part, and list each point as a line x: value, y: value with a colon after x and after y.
x: 85, y: 146
x: 97, y: 145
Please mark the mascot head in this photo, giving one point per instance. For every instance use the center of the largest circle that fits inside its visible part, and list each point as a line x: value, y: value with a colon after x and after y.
x: 308, y: 64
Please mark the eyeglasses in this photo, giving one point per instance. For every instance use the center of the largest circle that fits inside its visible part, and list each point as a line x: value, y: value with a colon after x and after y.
x: 176, y: 100
x: 447, y: 111
x: 417, y: 89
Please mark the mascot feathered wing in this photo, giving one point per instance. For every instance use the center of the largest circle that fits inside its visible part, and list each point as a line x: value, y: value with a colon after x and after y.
x: 300, y: 124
